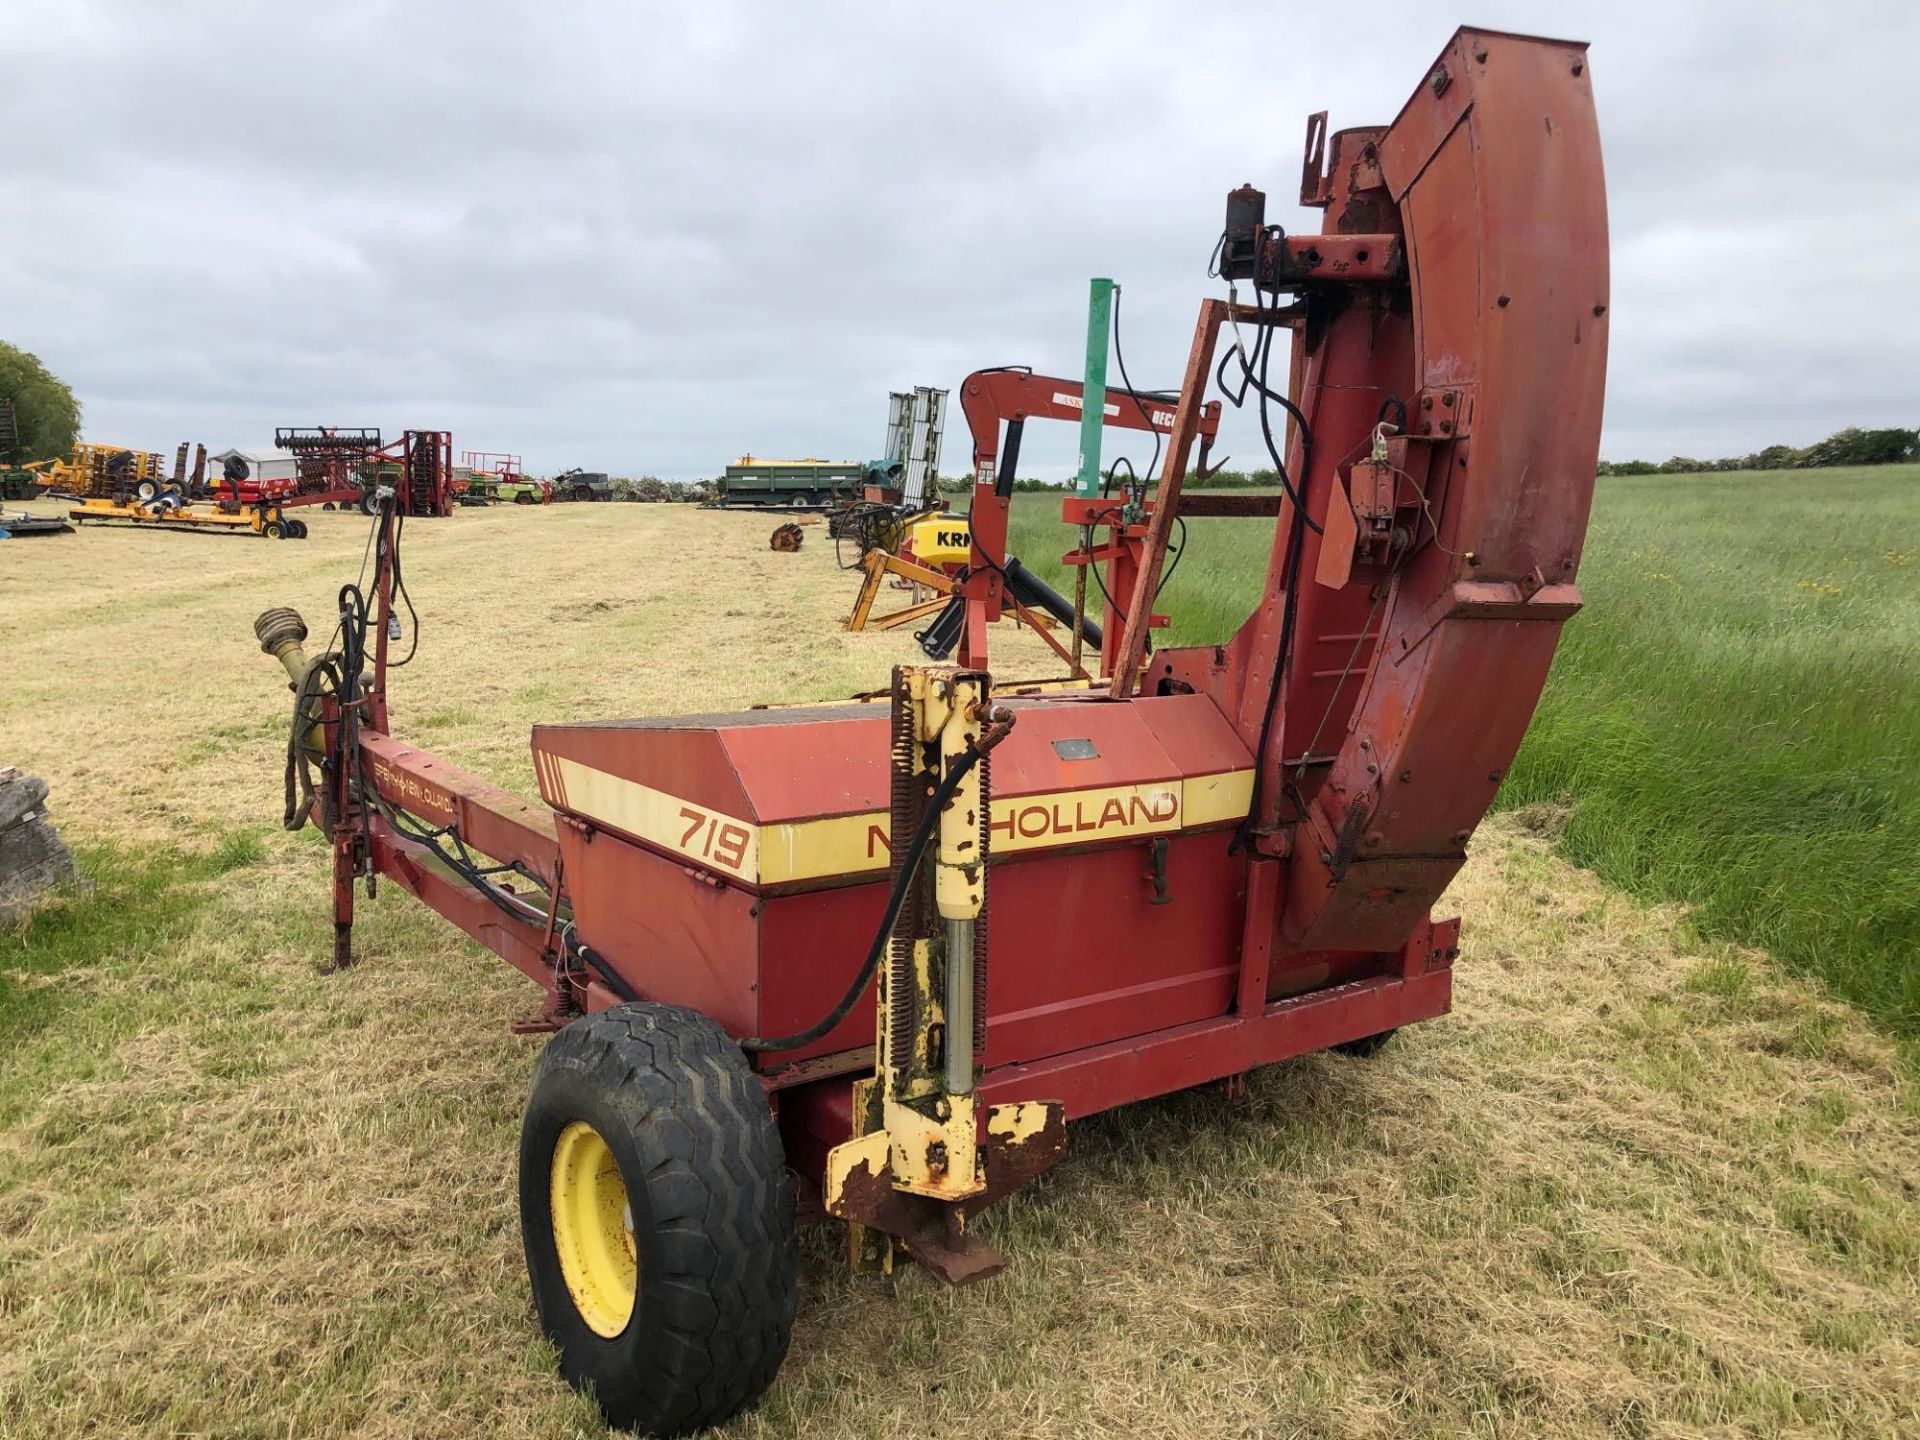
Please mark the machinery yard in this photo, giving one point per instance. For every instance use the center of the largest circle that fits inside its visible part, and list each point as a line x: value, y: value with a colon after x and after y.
x: 1672, y: 1189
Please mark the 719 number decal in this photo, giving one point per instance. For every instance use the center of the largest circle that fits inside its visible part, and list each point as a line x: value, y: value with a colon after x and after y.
x: 712, y: 838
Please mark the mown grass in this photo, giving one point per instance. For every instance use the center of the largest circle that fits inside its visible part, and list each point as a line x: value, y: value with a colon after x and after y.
x: 1633, y: 1185
x: 1734, y: 719
x: 132, y: 906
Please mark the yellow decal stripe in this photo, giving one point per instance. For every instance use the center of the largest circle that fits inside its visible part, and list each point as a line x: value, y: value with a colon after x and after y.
x: 721, y: 842
x: 1209, y: 799
x: 858, y: 844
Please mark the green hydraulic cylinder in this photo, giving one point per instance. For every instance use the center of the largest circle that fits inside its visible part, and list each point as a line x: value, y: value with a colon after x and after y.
x: 1093, y: 402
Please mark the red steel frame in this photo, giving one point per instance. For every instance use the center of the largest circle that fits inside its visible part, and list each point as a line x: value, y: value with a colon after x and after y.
x: 1013, y: 397
x: 497, y: 463
x: 325, y: 477
x: 328, y: 477
x: 1375, y: 747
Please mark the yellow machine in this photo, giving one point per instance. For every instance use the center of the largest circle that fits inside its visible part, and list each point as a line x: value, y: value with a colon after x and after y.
x: 264, y: 520
x: 938, y: 539
x: 104, y: 472
x: 942, y: 539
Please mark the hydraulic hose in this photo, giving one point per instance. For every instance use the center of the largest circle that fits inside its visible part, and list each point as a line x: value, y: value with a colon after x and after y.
x: 896, y: 898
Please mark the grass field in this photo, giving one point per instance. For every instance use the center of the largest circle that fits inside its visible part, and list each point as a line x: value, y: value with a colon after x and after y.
x: 1733, y: 721
x: 1639, y: 1183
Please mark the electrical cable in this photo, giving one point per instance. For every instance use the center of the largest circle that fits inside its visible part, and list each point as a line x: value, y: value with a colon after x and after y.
x: 1299, y: 523
x: 1120, y: 355
x: 1296, y: 539
x: 896, y: 899
x: 505, y: 901
x: 1179, y: 554
x: 1262, y: 358
x: 400, y: 589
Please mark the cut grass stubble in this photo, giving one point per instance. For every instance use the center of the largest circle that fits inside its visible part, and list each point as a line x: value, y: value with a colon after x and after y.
x: 1632, y: 1185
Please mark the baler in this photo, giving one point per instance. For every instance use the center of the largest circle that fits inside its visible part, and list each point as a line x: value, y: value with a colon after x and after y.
x: 869, y: 960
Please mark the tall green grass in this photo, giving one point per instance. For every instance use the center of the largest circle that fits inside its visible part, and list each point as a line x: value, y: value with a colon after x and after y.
x: 1734, y: 718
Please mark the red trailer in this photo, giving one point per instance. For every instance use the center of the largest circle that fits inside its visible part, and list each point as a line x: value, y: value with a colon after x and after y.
x: 833, y: 952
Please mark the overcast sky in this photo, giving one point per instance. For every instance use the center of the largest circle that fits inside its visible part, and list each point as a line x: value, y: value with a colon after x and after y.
x: 647, y: 238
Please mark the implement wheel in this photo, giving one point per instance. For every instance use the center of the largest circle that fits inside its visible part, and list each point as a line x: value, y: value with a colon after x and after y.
x: 657, y: 1218
x: 1366, y: 1045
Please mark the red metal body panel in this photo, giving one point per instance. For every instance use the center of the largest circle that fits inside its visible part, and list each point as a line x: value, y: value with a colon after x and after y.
x: 769, y: 955
x: 676, y: 933
x: 772, y: 964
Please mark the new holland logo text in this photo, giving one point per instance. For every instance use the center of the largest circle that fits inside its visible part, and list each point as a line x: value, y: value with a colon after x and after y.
x: 1060, y: 819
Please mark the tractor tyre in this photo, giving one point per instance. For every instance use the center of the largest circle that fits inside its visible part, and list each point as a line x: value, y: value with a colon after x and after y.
x: 273, y: 530
x: 369, y: 504
x: 583, y: 492
x: 299, y: 530
x: 1366, y: 1045
x: 523, y: 498
x: 657, y: 1218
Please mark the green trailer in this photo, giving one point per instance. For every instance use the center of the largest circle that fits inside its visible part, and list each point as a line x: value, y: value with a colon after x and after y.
x: 800, y: 484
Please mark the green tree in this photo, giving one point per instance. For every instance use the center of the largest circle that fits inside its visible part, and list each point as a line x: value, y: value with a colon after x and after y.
x: 46, y: 416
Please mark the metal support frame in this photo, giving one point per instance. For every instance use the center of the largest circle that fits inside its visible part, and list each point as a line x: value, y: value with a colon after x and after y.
x: 1010, y: 398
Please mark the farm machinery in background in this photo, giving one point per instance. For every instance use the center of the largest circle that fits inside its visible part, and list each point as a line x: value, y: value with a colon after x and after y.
x: 877, y: 518
x: 751, y: 483
x: 865, y: 500
x: 119, y: 486
x: 492, y: 477
x: 94, y: 471
x: 17, y: 482
x: 582, y: 485
x: 957, y: 566
x: 883, y: 953
x: 342, y: 467
x: 336, y: 467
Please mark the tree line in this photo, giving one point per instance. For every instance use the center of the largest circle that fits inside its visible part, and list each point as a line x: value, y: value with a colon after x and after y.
x: 47, y: 422
x: 1851, y: 446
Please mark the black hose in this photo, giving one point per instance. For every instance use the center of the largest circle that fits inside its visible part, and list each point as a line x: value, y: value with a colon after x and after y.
x: 1126, y: 380
x: 1296, y: 539
x: 896, y: 898
x: 615, y: 982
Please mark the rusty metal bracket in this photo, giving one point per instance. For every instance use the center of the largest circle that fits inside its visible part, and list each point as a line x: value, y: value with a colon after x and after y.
x: 1022, y: 1140
x: 1315, y: 191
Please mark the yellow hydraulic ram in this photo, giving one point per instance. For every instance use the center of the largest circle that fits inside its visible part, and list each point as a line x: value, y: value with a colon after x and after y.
x: 917, y: 1160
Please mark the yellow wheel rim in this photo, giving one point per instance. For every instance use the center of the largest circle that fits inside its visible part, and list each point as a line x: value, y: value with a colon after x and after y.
x: 593, y: 1230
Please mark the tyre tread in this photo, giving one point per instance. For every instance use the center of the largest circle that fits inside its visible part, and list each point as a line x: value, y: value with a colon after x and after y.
x: 720, y: 1198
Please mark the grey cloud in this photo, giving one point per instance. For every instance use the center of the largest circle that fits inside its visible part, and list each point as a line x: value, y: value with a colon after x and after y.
x: 648, y: 238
